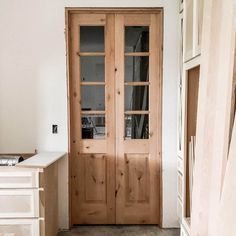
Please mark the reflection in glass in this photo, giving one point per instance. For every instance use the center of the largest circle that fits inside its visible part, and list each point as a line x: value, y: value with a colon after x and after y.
x: 92, y: 69
x: 93, y: 97
x: 91, y: 38
x: 136, y: 98
x: 136, y: 69
x: 136, y: 126
x: 93, y: 126
x: 136, y: 39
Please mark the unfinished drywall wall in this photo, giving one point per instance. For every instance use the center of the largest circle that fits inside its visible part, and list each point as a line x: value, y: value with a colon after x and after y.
x: 33, y: 93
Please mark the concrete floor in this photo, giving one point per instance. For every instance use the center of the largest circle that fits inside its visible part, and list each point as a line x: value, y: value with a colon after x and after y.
x: 120, y: 231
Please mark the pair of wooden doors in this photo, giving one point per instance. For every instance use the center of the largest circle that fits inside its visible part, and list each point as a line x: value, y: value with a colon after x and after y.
x: 115, y: 61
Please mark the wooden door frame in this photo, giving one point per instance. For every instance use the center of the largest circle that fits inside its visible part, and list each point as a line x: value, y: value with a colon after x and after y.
x: 85, y: 10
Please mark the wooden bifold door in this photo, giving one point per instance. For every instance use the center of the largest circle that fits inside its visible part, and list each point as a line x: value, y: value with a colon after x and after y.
x: 115, y: 61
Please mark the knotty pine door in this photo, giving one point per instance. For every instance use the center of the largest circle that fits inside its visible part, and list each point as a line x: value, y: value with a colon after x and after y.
x: 115, y: 116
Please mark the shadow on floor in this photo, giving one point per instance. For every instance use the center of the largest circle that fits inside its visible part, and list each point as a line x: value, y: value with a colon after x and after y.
x: 143, y: 230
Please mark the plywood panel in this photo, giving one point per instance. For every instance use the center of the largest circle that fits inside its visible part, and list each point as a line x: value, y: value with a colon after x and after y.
x: 19, y: 227
x: 215, y: 90
x: 227, y: 206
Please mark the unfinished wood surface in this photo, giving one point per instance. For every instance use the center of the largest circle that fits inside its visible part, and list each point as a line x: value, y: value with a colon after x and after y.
x: 110, y: 10
x: 91, y: 54
x: 213, y: 119
x: 227, y: 205
x: 93, y: 174
x: 116, y: 180
x: 143, y: 54
x: 138, y: 170
x: 89, y: 20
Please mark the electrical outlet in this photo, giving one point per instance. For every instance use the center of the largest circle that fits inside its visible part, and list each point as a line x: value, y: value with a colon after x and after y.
x: 54, y: 129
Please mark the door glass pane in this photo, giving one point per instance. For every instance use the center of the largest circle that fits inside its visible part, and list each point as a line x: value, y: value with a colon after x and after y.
x: 136, y: 98
x: 136, y: 69
x: 93, y: 97
x: 92, y: 39
x: 93, y: 126
x: 136, y: 39
x: 92, y: 69
x: 136, y: 126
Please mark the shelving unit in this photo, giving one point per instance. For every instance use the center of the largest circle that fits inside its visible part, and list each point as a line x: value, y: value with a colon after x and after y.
x: 190, y: 23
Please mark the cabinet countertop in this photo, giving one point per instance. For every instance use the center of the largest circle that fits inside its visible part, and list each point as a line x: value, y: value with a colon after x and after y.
x: 41, y: 160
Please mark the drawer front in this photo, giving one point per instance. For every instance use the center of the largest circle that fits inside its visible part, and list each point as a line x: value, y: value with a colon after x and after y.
x: 19, y: 203
x: 19, y: 227
x: 19, y: 179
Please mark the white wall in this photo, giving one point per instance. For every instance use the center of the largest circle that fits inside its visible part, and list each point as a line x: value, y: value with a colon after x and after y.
x: 33, y: 84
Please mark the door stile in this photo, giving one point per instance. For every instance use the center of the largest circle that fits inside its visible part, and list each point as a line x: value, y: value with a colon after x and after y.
x: 75, y: 115
x: 119, y: 64
x: 93, y: 160
x: 155, y: 114
x: 110, y: 114
x: 138, y: 159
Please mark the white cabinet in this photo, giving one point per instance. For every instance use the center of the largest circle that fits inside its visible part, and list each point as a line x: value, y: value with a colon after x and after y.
x: 193, y: 17
x: 17, y: 203
x: 190, y: 28
x: 19, y: 227
x: 29, y: 196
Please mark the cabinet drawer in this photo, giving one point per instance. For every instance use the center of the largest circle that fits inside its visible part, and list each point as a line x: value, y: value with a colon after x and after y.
x: 19, y: 227
x: 19, y: 203
x: 19, y: 179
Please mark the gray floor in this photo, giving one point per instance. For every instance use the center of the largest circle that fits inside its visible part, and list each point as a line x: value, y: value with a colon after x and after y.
x: 120, y: 231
